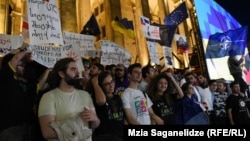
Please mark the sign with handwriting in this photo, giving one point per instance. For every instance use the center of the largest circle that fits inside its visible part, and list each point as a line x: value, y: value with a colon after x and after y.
x: 9, y: 43
x: 44, y: 22
x: 112, y: 53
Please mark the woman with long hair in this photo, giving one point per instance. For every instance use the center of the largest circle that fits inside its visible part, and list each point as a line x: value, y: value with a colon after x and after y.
x: 109, y: 109
x: 161, y: 91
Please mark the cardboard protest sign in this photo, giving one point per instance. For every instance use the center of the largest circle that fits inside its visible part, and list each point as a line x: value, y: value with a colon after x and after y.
x: 9, y: 43
x: 86, y: 43
x: 167, y: 53
x: 46, y: 55
x: 153, y: 52
x: 44, y: 22
x: 112, y: 53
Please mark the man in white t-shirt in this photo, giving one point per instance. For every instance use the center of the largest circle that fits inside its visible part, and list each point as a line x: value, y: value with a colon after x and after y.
x: 137, y: 105
x: 65, y: 109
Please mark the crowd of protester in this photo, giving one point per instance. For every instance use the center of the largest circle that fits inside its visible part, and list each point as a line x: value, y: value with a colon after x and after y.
x: 39, y: 103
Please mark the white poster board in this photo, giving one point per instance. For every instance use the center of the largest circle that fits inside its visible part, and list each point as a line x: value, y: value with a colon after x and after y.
x: 9, y: 43
x: 44, y: 22
x: 112, y: 53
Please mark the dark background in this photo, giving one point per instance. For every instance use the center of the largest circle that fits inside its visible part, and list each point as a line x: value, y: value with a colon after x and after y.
x: 239, y: 9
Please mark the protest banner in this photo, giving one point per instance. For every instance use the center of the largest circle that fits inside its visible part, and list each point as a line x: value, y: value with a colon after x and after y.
x: 112, y: 53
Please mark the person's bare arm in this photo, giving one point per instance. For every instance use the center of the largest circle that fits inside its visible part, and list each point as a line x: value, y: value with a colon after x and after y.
x: 248, y: 114
x: 89, y: 115
x: 17, y: 57
x: 230, y: 116
x: 177, y: 86
x: 47, y: 131
x: 131, y: 119
x: 100, y: 97
x: 154, y: 117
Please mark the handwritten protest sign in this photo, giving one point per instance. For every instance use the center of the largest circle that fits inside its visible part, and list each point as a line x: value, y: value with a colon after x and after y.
x: 114, y: 54
x: 153, y: 52
x: 167, y: 53
x: 49, y: 55
x: 44, y: 22
x: 86, y: 43
x: 9, y: 43
x: 46, y: 55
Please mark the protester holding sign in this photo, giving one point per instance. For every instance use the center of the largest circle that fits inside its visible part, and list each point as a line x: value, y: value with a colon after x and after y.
x: 17, y: 97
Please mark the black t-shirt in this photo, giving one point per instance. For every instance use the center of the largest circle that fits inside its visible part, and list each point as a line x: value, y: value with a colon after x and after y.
x: 239, y: 109
x: 164, y: 110
x: 16, y: 100
x: 111, y: 116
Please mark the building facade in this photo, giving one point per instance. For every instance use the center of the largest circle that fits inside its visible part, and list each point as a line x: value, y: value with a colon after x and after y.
x: 75, y: 13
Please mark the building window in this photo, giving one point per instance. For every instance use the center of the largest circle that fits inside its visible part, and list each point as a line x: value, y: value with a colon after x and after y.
x: 103, y: 31
x: 101, y: 8
x: 96, y: 11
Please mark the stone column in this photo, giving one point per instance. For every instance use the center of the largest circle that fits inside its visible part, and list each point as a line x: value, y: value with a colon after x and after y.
x: 68, y: 16
x: 142, y: 51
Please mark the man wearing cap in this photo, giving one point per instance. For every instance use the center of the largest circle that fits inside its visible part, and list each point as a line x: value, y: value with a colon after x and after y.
x: 94, y: 70
x: 121, y: 79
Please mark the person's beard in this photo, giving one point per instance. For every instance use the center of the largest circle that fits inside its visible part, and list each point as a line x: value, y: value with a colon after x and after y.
x: 72, y: 81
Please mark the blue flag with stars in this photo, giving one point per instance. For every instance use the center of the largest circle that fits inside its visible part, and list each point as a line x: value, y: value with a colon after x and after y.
x: 177, y: 16
x: 230, y: 43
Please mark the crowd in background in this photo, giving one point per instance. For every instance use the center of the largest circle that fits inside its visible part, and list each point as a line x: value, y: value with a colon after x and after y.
x: 39, y: 103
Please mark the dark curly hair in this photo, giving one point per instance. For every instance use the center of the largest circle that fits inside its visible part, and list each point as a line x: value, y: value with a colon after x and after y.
x: 152, y: 89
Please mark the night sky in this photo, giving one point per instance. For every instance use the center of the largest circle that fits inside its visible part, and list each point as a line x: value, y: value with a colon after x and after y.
x: 239, y: 9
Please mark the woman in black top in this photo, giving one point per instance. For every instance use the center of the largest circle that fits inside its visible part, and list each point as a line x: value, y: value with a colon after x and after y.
x: 161, y: 91
x: 109, y: 109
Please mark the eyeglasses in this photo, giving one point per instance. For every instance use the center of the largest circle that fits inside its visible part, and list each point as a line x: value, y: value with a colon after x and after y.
x: 108, y: 83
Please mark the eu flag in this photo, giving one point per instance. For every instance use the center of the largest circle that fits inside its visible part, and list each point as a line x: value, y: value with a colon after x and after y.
x: 230, y: 43
x: 177, y: 16
x: 166, y: 34
x: 91, y: 27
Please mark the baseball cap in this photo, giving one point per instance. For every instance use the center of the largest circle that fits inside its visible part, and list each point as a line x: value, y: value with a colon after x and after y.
x: 119, y: 67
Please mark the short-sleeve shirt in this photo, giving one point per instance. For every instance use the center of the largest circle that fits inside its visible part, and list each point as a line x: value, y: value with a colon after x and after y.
x: 164, y: 110
x: 64, y: 105
x: 139, y: 103
x: 239, y: 109
x: 111, y: 116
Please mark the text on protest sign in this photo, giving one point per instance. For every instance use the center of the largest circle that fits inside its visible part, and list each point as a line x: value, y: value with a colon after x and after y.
x: 44, y: 22
x: 111, y: 53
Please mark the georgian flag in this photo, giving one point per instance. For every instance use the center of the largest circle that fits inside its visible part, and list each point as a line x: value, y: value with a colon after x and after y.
x: 25, y: 27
